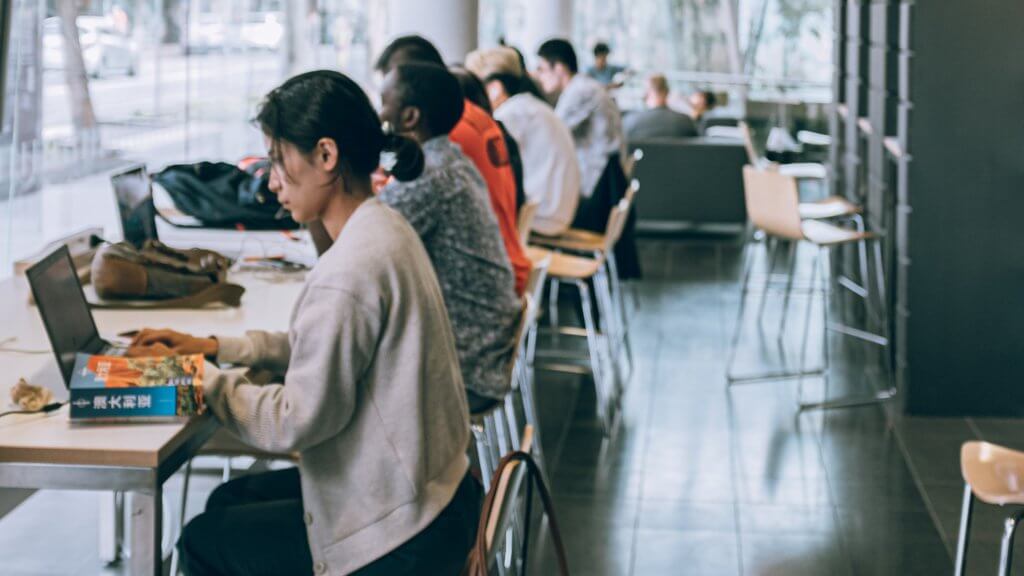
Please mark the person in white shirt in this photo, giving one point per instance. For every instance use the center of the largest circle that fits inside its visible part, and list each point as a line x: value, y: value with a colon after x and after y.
x: 586, y: 109
x: 551, y: 174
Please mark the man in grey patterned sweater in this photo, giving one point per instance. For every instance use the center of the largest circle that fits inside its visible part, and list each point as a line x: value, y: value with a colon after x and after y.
x: 450, y: 209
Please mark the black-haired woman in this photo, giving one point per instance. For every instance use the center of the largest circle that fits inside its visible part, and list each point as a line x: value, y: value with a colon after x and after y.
x: 372, y: 397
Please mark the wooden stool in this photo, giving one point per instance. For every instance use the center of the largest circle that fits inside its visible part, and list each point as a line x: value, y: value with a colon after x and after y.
x: 773, y: 207
x: 994, y: 475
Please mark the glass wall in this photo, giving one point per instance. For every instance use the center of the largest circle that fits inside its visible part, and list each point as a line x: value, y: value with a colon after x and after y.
x: 773, y: 48
x: 172, y: 81
x: 154, y: 81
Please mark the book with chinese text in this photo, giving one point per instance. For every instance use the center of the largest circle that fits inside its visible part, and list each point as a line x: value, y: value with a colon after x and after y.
x: 121, y: 388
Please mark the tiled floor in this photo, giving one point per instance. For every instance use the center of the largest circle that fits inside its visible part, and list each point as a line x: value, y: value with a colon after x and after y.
x: 707, y: 479
x: 700, y: 478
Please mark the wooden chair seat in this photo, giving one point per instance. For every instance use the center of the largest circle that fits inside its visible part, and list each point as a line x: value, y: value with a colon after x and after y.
x: 565, y: 266
x: 832, y: 207
x: 995, y: 473
x: 825, y: 234
x: 573, y: 240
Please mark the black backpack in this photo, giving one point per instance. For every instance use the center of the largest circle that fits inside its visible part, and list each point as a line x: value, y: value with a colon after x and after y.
x: 221, y: 195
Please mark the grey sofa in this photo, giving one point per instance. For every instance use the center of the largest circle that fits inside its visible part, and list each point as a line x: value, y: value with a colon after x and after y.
x: 689, y: 181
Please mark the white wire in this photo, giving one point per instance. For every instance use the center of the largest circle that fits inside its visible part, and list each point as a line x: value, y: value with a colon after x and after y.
x: 10, y: 350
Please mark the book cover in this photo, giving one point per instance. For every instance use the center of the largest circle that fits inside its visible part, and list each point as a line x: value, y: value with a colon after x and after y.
x: 117, y: 387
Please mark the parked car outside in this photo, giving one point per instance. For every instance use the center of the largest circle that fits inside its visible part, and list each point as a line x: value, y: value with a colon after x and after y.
x: 105, y: 50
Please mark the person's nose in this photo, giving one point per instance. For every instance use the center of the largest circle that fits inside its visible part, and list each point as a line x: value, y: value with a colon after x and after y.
x: 274, y: 183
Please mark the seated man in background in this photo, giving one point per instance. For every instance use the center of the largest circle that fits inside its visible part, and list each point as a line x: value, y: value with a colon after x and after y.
x: 552, y: 177
x: 702, y: 102
x: 448, y: 206
x: 602, y: 71
x: 658, y: 121
x: 481, y: 140
x: 592, y: 118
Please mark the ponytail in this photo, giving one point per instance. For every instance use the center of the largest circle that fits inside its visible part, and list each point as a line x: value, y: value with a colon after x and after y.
x: 328, y: 104
x: 402, y: 157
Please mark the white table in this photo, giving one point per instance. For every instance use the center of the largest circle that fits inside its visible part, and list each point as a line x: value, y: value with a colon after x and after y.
x: 47, y: 451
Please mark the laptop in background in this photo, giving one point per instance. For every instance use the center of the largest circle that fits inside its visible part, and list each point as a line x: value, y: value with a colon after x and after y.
x: 65, y: 311
x: 133, y: 191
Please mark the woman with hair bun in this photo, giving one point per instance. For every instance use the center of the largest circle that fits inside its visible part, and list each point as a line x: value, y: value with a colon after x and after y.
x: 372, y: 396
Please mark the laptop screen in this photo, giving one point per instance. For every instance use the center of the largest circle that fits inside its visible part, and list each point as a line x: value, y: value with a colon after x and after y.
x: 134, y: 195
x: 65, y: 312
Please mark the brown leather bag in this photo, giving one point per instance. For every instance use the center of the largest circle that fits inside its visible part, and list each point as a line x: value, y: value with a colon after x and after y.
x: 158, y: 276
x: 477, y: 564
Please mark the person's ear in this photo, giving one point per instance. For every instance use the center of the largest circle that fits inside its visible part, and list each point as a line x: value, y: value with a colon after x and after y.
x: 409, y: 118
x: 327, y: 156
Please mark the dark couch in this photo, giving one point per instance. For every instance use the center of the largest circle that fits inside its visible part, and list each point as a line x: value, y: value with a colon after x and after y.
x: 688, y: 181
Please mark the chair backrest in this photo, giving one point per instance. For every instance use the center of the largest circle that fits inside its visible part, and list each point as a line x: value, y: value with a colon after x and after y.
x: 773, y: 203
x: 526, y: 314
x: 525, y: 221
x: 535, y: 281
x: 525, y: 318
x: 508, y: 498
x: 617, y: 219
x: 748, y: 144
x: 632, y: 162
x: 992, y: 471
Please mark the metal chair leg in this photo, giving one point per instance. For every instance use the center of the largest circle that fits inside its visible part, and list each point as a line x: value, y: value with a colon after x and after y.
x: 772, y: 246
x: 512, y: 422
x: 890, y: 391
x: 553, y: 306
x: 594, y: 346
x: 483, y: 454
x: 497, y: 431
x: 783, y: 374
x: 1006, y: 548
x: 807, y: 328
x: 748, y: 265
x: 620, y: 301
x: 612, y: 330
x: 789, y: 288
x: 965, y: 531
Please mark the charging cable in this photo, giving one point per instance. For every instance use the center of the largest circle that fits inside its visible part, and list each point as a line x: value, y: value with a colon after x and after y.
x: 44, y: 410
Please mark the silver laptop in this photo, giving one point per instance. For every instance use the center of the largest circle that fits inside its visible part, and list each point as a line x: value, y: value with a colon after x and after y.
x: 65, y: 311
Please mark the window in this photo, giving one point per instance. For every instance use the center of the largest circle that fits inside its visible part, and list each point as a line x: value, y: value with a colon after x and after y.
x: 154, y: 81
x: 777, y: 47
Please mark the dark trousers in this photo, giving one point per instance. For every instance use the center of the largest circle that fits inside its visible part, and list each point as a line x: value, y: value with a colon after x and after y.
x: 254, y: 525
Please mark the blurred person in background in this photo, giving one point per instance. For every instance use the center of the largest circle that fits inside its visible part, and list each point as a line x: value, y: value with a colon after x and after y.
x: 552, y: 178
x: 609, y: 75
x: 658, y: 120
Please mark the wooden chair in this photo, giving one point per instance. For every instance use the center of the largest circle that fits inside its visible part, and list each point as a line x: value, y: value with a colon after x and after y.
x: 798, y: 170
x: 994, y: 475
x: 602, y: 247
x: 773, y: 207
x: 580, y: 271
x: 496, y: 427
x: 524, y: 222
x: 507, y: 502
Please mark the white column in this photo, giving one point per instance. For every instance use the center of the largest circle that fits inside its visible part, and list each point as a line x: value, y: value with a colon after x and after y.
x: 545, y: 19
x: 452, y: 25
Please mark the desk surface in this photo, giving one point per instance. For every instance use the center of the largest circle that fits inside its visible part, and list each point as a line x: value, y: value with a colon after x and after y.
x: 51, y: 438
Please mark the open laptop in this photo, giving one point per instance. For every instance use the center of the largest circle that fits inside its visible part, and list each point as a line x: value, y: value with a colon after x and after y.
x: 134, y: 194
x: 65, y: 311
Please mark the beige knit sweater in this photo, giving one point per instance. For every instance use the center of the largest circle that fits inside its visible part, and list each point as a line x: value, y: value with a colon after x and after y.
x: 372, y: 397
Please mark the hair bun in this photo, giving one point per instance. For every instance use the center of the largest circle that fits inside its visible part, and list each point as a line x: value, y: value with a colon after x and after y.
x: 402, y: 157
